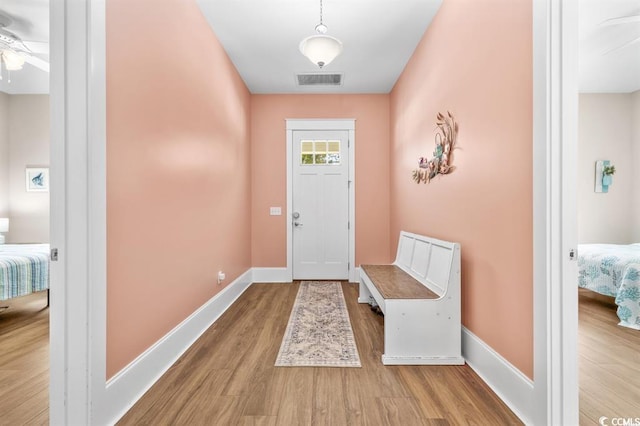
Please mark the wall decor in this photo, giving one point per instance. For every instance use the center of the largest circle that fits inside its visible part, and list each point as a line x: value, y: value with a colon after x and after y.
x: 37, y: 179
x: 447, y: 132
x: 604, y: 175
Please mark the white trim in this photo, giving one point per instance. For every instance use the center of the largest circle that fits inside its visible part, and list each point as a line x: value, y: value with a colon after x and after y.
x: 77, y: 209
x: 356, y: 272
x: 514, y: 388
x: 126, y: 387
x: 58, y: 197
x: 97, y: 208
x: 352, y: 203
x: 348, y: 124
x: 271, y: 275
x: 540, y: 233
x: 555, y: 47
x: 320, y: 124
x: 421, y: 360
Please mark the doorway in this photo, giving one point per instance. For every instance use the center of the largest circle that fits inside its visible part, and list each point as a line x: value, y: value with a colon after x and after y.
x: 320, y: 199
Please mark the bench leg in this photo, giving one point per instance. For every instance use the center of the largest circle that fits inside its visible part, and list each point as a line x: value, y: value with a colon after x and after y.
x: 364, y: 294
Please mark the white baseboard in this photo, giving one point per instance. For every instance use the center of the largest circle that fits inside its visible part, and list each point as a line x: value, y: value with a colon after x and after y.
x: 126, y: 387
x: 421, y: 360
x: 354, y: 277
x: 513, y: 387
x: 271, y: 275
x: 282, y: 275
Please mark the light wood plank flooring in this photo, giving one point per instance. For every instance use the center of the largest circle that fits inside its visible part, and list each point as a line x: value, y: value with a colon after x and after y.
x: 228, y: 377
x: 24, y: 361
x: 609, y: 362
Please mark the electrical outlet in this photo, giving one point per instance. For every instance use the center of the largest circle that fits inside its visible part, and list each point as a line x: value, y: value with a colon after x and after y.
x: 221, y: 276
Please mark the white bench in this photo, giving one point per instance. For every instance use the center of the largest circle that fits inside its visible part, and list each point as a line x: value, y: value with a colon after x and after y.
x: 420, y: 298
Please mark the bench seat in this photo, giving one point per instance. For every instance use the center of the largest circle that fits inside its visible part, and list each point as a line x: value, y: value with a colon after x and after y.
x: 393, y: 283
x: 420, y: 298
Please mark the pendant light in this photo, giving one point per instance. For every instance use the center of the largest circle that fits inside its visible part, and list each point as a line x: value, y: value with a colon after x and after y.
x: 321, y: 48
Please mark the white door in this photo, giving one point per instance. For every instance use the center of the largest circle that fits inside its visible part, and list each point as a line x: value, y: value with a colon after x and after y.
x: 320, y: 214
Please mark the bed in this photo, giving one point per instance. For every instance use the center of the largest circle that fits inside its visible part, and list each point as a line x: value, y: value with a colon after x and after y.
x: 613, y: 270
x: 24, y: 269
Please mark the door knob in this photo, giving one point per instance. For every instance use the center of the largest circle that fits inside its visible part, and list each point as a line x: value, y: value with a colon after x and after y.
x: 295, y: 215
x: 297, y: 224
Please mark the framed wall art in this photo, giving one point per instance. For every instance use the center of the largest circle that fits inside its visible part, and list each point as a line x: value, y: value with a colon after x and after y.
x: 37, y: 179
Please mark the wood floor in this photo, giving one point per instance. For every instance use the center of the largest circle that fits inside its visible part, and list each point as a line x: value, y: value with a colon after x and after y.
x: 609, y: 362
x: 228, y: 377
x: 24, y: 361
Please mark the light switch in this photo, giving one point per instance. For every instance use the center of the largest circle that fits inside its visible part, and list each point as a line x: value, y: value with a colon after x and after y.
x: 275, y: 211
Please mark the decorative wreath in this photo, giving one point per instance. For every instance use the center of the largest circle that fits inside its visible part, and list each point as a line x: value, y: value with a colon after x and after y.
x: 447, y: 132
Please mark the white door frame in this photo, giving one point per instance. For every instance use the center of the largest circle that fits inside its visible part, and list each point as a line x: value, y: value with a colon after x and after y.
x: 322, y: 124
x: 78, y: 214
x: 78, y: 211
x: 555, y: 126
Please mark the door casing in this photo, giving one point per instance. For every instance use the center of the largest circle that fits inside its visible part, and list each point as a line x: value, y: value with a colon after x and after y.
x: 347, y: 124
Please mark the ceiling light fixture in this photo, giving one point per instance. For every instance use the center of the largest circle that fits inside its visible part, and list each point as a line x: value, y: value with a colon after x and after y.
x: 321, y: 49
x: 12, y: 60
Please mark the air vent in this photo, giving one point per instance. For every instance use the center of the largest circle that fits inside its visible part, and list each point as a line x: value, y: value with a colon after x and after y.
x: 319, y: 79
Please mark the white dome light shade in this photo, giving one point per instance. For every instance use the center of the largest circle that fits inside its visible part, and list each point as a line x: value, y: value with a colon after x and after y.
x: 321, y: 49
x: 12, y: 60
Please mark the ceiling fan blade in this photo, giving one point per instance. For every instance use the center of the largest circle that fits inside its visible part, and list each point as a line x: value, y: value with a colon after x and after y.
x: 37, y: 62
x: 622, y: 46
x: 621, y: 20
x: 41, y: 47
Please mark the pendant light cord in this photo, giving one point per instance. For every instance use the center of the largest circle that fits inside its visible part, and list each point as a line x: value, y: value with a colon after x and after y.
x: 321, y: 13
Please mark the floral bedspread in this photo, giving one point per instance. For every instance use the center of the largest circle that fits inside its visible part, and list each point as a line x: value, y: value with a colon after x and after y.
x: 613, y: 270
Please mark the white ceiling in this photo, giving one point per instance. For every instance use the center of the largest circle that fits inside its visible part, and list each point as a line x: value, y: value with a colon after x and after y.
x: 603, y: 69
x: 30, y: 23
x: 379, y: 36
x: 262, y: 38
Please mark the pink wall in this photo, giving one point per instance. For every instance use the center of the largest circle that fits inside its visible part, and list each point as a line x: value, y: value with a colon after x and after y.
x: 476, y: 61
x: 178, y: 175
x: 269, y: 180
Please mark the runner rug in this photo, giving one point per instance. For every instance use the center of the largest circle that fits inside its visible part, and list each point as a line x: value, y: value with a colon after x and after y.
x: 319, y: 333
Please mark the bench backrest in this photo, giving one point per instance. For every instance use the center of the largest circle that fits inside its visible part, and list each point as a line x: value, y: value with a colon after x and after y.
x: 432, y: 262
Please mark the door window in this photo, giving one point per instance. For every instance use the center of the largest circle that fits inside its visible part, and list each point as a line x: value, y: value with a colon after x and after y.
x: 320, y: 152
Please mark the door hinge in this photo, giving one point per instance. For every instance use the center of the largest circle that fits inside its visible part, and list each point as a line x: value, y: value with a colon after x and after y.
x: 54, y: 254
x: 348, y: 143
x: 348, y: 266
x: 349, y: 225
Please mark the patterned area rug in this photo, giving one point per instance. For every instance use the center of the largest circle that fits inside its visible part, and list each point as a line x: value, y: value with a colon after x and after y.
x: 319, y: 333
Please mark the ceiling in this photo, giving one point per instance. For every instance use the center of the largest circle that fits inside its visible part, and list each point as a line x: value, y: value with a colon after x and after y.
x: 30, y: 23
x: 605, y: 65
x: 262, y: 38
x: 379, y: 36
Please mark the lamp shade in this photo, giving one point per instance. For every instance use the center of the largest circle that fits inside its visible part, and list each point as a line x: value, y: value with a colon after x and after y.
x: 4, y: 224
x: 12, y: 60
x: 321, y: 49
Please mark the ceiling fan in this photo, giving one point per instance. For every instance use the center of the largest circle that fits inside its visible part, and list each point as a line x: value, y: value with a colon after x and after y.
x: 14, y: 52
x: 623, y: 20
